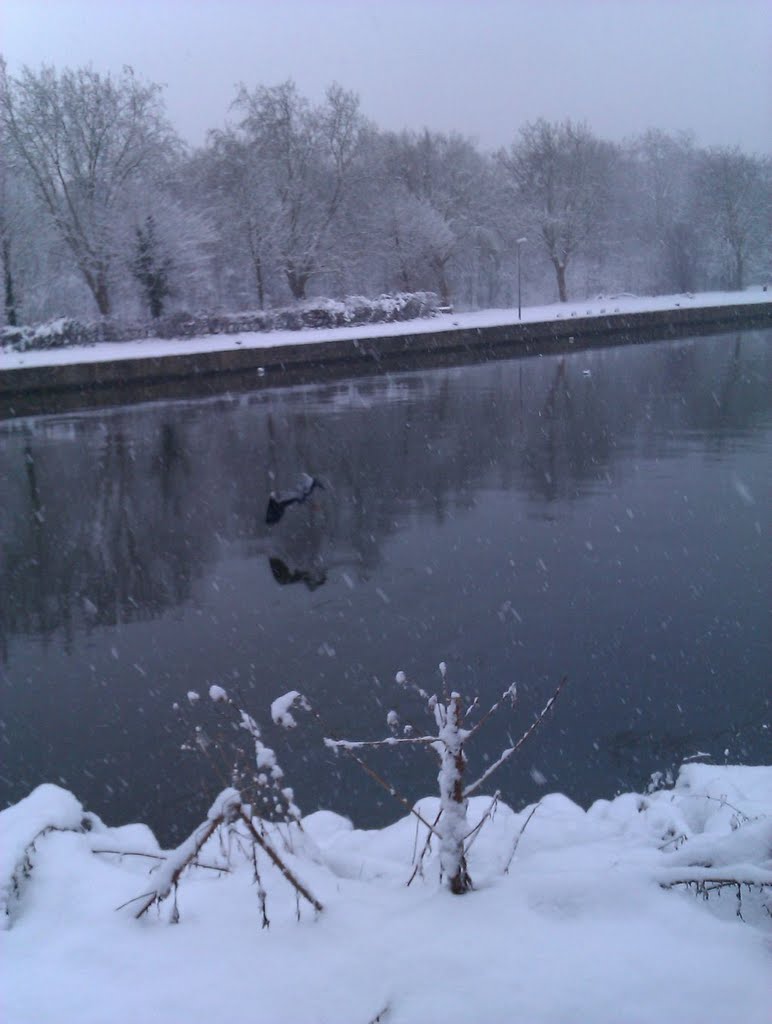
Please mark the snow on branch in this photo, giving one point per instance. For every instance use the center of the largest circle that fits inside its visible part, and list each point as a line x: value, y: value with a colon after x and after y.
x: 280, y: 708
x: 387, y: 741
x: 227, y: 810
x: 259, y: 768
x: 224, y: 810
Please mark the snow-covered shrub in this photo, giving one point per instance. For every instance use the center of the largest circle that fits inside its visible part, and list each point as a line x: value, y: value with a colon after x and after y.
x: 47, y: 809
x: 250, y: 836
x: 54, y: 334
x: 232, y: 736
x: 311, y: 314
x: 236, y: 741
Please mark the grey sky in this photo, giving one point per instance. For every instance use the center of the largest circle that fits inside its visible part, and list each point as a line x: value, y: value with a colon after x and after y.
x: 480, y: 67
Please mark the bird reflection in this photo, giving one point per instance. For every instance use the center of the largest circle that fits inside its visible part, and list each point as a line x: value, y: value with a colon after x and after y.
x: 281, y: 572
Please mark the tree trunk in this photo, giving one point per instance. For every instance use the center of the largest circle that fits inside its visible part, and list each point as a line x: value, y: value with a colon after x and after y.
x: 297, y: 280
x: 258, y: 264
x: 442, y: 282
x: 9, y: 288
x: 451, y: 780
x: 739, y: 270
x: 101, y: 294
x: 560, y: 273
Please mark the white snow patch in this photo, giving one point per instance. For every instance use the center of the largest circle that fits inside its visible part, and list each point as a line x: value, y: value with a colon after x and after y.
x: 280, y: 708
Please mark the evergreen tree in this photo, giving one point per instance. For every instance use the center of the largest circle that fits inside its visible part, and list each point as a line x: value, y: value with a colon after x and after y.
x: 151, y: 268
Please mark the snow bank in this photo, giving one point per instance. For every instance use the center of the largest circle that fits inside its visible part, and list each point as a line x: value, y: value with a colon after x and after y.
x: 579, y: 928
x: 107, y: 351
x: 47, y: 807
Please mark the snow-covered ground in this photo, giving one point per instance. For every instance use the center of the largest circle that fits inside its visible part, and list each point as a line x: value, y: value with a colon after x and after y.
x: 153, y: 347
x: 579, y: 930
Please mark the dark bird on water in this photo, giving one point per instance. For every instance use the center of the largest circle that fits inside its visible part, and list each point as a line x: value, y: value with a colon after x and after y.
x: 278, y: 502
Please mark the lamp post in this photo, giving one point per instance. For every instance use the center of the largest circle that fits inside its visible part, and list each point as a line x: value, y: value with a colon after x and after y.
x: 519, y: 242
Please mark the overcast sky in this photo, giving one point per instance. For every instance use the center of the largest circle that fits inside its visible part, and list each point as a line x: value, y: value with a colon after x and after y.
x: 479, y: 67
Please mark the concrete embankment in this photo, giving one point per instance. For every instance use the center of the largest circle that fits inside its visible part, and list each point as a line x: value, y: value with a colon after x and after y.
x: 30, y: 389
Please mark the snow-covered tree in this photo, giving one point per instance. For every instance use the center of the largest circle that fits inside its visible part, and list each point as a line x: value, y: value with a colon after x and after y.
x: 151, y: 267
x: 304, y: 157
x: 83, y: 139
x: 561, y: 174
x: 735, y: 192
x: 661, y: 189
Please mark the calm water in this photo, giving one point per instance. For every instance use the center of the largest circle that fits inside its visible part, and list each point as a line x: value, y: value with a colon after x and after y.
x: 602, y: 515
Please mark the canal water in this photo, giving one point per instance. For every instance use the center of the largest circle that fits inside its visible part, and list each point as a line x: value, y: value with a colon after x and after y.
x: 602, y: 516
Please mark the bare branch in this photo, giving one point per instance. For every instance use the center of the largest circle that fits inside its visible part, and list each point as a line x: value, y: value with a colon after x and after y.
x: 508, y: 753
x: 160, y: 856
x: 519, y: 836
x: 265, y: 845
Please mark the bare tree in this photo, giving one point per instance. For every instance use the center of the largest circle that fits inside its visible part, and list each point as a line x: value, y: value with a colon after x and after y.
x: 83, y: 140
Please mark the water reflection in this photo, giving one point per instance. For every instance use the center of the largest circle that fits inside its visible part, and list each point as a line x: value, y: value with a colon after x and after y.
x: 596, y: 514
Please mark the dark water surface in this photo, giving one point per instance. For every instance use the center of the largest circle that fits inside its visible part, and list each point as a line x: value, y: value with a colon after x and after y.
x: 602, y: 515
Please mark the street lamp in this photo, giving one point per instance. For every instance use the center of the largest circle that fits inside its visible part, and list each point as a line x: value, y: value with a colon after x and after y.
x: 519, y: 242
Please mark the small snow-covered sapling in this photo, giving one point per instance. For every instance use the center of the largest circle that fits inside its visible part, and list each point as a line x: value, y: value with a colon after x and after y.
x: 448, y: 712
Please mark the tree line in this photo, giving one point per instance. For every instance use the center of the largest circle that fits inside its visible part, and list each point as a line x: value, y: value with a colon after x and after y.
x: 104, y: 211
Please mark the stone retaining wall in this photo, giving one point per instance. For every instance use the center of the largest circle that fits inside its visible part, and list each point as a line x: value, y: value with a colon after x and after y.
x: 47, y: 388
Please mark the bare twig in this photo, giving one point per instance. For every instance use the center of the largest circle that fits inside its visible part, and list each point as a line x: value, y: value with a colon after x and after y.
x: 509, y: 694
x: 474, y: 833
x: 135, y: 899
x: 262, y: 895
x: 705, y: 887
x: 265, y: 845
x: 391, y: 790
x: 519, y: 836
x: 380, y: 1015
x: 160, y: 856
x: 418, y: 866
x: 507, y: 754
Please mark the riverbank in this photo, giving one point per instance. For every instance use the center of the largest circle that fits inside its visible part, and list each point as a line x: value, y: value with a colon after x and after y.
x: 601, y: 915
x: 82, y: 376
